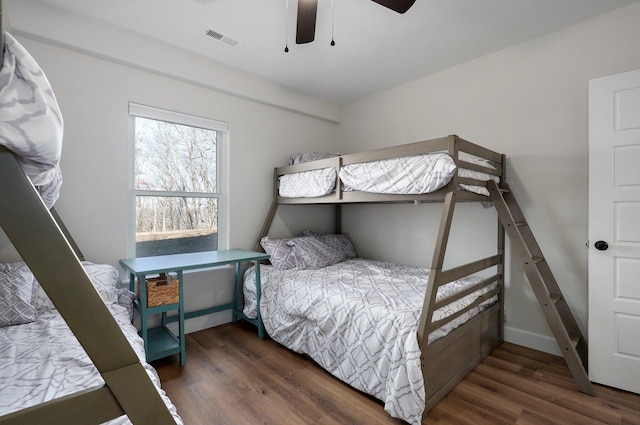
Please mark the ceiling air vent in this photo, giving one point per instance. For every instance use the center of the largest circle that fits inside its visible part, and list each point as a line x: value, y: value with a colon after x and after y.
x: 224, y: 39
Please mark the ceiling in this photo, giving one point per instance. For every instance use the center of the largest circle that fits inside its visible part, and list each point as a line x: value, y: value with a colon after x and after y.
x: 375, y: 49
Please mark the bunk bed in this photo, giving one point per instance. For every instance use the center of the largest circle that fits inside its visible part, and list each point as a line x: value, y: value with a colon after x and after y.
x: 97, y: 373
x: 405, y: 335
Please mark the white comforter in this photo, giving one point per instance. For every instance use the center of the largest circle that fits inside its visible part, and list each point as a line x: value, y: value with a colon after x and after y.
x: 409, y: 175
x: 42, y: 360
x: 358, y: 319
x: 406, y: 175
x: 31, y: 124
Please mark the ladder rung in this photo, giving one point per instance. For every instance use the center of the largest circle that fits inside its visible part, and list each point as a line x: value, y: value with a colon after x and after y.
x: 555, y: 297
x: 521, y: 223
x: 534, y: 260
x: 575, y: 339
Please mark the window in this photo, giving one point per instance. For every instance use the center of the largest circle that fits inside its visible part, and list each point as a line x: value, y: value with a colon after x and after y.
x: 177, y: 199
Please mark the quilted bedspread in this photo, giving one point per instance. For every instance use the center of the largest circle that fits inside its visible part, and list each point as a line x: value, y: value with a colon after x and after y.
x: 410, y: 174
x: 42, y: 360
x: 358, y: 319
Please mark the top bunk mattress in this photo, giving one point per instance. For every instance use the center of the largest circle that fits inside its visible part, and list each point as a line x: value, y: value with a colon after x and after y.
x: 410, y: 175
x: 31, y: 124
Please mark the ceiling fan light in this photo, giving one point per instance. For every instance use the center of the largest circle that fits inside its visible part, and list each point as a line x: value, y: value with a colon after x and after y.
x: 306, y: 29
x: 399, y: 6
x: 308, y: 10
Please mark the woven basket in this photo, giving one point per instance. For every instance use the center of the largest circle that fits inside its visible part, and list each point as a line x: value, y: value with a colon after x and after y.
x: 162, y: 290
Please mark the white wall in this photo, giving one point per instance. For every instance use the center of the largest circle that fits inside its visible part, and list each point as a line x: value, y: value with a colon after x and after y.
x: 93, y: 91
x: 529, y: 102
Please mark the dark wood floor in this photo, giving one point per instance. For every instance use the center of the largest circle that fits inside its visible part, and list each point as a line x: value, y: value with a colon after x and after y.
x: 231, y: 377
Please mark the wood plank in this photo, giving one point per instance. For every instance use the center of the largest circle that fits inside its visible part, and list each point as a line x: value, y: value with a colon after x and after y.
x: 535, y: 385
x: 533, y: 399
x: 234, y: 378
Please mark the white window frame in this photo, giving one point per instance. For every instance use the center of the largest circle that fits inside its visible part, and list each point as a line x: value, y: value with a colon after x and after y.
x: 222, y: 168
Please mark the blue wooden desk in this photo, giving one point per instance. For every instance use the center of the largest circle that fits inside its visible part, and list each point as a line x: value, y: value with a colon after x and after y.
x: 161, y: 342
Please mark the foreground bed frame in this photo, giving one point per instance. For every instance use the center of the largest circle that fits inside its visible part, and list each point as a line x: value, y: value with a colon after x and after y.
x: 41, y: 243
x: 448, y: 360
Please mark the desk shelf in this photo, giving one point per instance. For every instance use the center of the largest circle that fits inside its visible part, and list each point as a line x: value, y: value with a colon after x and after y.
x: 161, y: 343
x: 158, y: 309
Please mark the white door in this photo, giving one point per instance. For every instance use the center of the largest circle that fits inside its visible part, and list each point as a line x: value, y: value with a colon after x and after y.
x: 614, y: 231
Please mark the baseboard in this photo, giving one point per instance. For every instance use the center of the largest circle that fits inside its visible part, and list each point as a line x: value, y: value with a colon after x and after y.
x: 528, y: 339
x: 532, y: 340
x: 196, y: 324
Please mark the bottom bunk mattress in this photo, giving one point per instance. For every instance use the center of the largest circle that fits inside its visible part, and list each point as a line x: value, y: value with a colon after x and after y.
x: 358, y: 319
x: 40, y: 358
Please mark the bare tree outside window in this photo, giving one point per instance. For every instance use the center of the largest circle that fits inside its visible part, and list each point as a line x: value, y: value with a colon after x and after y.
x: 176, y: 188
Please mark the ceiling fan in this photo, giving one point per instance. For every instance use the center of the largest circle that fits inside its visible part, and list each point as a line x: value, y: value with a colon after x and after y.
x: 307, y: 10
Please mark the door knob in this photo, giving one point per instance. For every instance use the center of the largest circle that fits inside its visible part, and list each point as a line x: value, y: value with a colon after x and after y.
x: 601, y: 245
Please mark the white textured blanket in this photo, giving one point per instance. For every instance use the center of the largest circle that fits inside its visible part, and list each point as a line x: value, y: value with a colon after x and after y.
x: 42, y: 360
x: 409, y: 175
x: 31, y: 124
x: 404, y: 175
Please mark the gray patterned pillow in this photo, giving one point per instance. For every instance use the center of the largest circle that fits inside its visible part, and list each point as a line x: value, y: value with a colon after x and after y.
x: 312, y: 253
x: 17, y: 286
x: 339, y: 242
x: 103, y: 276
x: 281, y: 254
x: 299, y: 158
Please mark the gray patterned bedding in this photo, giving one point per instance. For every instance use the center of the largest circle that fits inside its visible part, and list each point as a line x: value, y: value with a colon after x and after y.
x: 40, y: 359
x: 358, y: 319
x: 405, y: 175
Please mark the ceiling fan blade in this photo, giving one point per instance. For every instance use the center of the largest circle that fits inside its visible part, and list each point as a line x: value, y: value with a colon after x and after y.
x: 306, y: 30
x: 399, y: 6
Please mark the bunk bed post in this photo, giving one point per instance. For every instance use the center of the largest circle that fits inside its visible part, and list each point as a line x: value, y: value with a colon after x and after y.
x: 436, y: 269
x: 438, y: 252
x: 338, y: 219
x: 501, y: 252
x: 267, y: 223
x: 500, y: 281
x: 270, y: 215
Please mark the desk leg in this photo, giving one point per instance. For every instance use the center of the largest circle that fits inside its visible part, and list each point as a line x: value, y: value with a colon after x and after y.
x: 143, y: 312
x: 183, y: 357
x: 236, y: 295
x: 258, y: 296
x: 132, y: 282
x: 132, y: 288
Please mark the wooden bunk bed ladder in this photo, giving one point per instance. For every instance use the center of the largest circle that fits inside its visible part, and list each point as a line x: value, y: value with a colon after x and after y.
x: 554, y: 306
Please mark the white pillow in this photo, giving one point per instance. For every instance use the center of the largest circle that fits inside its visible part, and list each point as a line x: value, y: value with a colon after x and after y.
x: 17, y: 287
x: 104, y: 278
x: 312, y: 253
x: 281, y: 254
